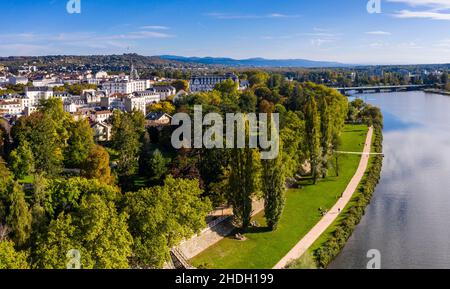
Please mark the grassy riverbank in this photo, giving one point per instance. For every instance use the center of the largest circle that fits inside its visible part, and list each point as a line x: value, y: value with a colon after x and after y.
x: 332, y: 241
x: 263, y: 249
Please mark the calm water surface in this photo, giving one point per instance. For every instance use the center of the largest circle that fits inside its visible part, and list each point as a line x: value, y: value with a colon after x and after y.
x: 408, y: 220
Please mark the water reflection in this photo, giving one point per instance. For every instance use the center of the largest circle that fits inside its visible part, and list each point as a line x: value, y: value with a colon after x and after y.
x: 409, y: 217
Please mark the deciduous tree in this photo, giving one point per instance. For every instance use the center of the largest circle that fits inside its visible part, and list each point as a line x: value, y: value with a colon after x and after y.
x: 22, y: 160
x: 273, y: 186
x: 79, y: 144
x: 19, y: 217
x: 160, y: 217
x: 96, y: 166
x: 312, y: 127
x: 10, y: 259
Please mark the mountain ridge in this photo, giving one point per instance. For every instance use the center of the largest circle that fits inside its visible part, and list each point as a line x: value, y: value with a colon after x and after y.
x: 255, y: 62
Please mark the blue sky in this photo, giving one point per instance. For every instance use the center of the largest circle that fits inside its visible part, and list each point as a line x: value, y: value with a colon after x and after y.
x: 406, y: 31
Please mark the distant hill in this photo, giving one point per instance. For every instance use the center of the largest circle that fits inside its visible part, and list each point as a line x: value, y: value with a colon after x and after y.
x: 253, y: 62
x: 91, y: 61
x: 122, y: 62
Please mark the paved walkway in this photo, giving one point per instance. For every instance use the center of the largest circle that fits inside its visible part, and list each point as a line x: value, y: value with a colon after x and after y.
x: 214, y: 233
x: 329, y: 218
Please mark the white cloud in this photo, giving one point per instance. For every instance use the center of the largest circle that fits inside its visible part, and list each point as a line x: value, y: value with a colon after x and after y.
x: 139, y: 35
x: 41, y: 44
x: 229, y: 16
x: 279, y: 15
x: 422, y: 14
x: 318, y: 42
x: 434, y: 4
x: 431, y: 9
x: 23, y: 49
x: 154, y: 27
x: 379, y: 33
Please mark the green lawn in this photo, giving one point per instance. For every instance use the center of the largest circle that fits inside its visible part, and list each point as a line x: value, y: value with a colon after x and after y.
x: 263, y: 249
x: 325, y: 236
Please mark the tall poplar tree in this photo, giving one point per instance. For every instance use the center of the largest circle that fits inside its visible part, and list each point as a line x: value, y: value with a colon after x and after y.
x: 19, y: 217
x: 241, y: 185
x: 273, y: 186
x: 312, y: 125
x: 325, y: 136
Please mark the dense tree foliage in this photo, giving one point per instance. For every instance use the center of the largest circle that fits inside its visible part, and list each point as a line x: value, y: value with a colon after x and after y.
x: 163, y: 106
x: 79, y: 144
x: 180, y: 84
x: 10, y: 258
x: 96, y: 165
x: 162, y: 216
x: 22, y: 160
x: 97, y: 231
x: 127, y: 133
x: 75, y: 89
x: 70, y: 200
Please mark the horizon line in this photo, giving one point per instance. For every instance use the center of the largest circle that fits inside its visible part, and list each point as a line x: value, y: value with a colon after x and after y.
x: 237, y: 59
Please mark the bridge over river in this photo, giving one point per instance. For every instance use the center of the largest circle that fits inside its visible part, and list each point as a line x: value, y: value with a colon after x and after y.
x: 378, y: 89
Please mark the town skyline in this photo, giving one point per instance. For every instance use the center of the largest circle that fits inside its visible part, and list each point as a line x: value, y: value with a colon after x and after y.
x: 405, y: 32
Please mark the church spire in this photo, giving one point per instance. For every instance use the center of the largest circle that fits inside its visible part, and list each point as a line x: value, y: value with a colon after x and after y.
x: 134, y: 75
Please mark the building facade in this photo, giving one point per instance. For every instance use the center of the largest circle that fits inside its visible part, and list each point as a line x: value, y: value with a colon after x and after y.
x: 125, y: 86
x: 205, y: 83
x: 135, y: 103
x: 165, y: 91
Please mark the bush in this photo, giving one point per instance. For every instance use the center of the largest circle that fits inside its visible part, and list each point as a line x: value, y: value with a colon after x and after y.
x: 306, y: 261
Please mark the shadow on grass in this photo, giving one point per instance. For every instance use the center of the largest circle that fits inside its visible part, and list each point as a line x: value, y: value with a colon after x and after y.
x: 257, y: 230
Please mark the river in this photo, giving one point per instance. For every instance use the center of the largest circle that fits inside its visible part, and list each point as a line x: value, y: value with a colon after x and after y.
x: 408, y: 220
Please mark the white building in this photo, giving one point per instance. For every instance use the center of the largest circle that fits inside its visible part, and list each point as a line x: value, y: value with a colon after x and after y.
x: 165, y: 91
x: 11, y: 106
x: 125, y: 86
x: 3, y: 80
x: 29, y: 110
x: 70, y: 107
x: 92, y: 96
x: 102, y: 131
x: 135, y: 103
x: 157, y: 119
x: 33, y: 95
x: 101, y: 116
x: 112, y: 102
x: 27, y: 69
x: 149, y: 95
x: 208, y: 82
x: 18, y: 80
x: 43, y: 81
x: 101, y: 75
